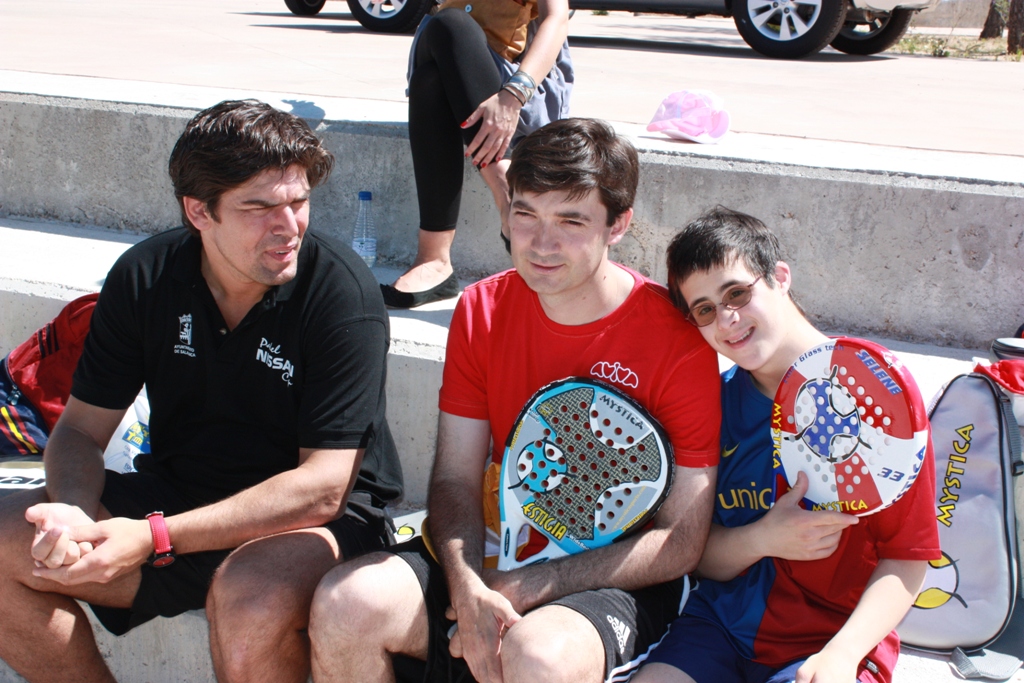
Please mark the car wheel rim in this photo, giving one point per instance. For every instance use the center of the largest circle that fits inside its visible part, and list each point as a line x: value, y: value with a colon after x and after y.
x: 783, y: 20
x: 382, y: 9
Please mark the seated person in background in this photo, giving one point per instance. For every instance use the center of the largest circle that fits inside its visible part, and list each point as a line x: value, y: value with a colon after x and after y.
x: 262, y: 347
x: 483, y: 75
x: 565, y: 309
x: 785, y: 594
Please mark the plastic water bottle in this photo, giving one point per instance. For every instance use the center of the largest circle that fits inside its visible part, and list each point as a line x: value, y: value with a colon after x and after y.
x: 364, y: 240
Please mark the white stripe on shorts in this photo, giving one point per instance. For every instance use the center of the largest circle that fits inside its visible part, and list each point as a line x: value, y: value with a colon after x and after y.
x: 623, y: 673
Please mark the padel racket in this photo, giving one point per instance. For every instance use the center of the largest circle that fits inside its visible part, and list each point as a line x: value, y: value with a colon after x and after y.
x: 584, y: 465
x: 850, y: 416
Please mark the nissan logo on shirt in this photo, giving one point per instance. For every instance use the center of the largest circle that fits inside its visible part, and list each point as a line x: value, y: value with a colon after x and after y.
x: 268, y: 354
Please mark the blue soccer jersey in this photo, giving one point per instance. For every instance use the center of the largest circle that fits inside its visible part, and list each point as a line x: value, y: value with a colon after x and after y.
x: 778, y: 611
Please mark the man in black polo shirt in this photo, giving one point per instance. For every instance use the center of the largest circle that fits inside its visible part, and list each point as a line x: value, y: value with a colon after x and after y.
x: 262, y: 348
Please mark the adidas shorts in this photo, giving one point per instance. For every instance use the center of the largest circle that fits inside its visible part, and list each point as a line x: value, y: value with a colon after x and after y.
x: 631, y: 623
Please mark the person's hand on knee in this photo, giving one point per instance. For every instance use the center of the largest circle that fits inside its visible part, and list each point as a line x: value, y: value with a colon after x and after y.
x: 479, y: 634
x: 499, y: 117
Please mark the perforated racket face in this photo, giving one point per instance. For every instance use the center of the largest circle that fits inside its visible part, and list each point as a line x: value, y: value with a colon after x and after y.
x: 848, y: 414
x: 584, y: 464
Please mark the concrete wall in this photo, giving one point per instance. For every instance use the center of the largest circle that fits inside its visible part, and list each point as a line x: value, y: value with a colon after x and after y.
x: 902, y: 257
x: 895, y: 254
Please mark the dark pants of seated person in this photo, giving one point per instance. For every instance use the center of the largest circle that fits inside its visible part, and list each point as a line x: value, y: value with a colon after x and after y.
x: 704, y: 651
x: 453, y: 72
x: 629, y: 623
x: 182, y: 585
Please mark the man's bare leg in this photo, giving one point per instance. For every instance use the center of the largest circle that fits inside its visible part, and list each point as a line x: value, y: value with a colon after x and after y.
x: 553, y: 644
x: 433, y: 264
x: 363, y: 612
x: 258, y: 606
x: 44, y: 634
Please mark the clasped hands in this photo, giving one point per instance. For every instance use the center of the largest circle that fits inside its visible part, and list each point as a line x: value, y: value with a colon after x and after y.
x: 70, y: 548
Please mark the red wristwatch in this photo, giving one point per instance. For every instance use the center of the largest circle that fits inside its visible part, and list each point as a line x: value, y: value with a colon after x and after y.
x: 163, y: 551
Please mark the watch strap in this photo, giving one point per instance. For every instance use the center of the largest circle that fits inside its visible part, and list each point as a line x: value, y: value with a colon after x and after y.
x: 163, y: 551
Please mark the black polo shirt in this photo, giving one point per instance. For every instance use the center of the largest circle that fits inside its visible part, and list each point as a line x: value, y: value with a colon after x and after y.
x: 304, y: 369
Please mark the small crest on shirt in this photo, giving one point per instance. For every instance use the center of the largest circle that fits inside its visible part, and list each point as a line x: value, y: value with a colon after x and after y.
x: 185, y: 336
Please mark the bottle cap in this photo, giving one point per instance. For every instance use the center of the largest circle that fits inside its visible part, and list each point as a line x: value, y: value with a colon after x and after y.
x: 365, y: 195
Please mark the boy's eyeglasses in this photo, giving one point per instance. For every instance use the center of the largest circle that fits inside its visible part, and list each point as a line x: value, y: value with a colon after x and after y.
x: 736, y: 297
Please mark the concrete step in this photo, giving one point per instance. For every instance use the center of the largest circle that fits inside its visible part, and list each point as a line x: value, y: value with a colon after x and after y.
x: 901, y: 243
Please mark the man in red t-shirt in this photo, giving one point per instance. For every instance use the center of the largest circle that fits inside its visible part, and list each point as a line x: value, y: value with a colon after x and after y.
x: 565, y: 309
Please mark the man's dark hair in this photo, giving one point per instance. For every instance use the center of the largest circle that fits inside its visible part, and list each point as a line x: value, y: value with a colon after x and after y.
x: 714, y: 240
x: 228, y: 144
x: 577, y: 156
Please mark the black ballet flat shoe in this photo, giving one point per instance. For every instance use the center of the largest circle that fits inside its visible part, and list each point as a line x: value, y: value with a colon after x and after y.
x: 507, y: 241
x: 394, y: 298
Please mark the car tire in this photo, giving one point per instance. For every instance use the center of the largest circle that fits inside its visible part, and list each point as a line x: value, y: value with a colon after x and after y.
x: 788, y: 29
x: 305, y: 8
x: 877, y: 34
x: 390, y: 16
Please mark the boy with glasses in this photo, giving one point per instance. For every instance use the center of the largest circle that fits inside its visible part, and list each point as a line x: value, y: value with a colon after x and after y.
x: 785, y: 594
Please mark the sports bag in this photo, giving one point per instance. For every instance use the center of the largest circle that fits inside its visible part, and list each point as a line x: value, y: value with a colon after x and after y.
x: 35, y: 384
x: 969, y: 593
x: 35, y: 380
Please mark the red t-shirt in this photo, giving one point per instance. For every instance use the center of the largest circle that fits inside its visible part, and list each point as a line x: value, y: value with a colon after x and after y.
x: 502, y: 348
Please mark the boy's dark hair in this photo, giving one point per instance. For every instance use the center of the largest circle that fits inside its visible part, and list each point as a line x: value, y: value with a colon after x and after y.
x: 577, y: 156
x: 231, y: 142
x: 715, y: 239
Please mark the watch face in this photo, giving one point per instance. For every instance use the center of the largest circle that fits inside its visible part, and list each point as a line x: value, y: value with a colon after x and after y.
x: 163, y: 560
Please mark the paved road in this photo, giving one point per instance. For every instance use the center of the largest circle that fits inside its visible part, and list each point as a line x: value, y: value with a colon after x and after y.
x: 625, y: 65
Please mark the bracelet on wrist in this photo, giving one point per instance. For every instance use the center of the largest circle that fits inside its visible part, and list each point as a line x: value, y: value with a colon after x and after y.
x: 525, y: 79
x: 516, y: 93
x: 522, y: 83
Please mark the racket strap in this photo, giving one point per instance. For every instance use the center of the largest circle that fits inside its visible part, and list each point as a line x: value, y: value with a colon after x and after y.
x: 1014, y: 435
x: 993, y: 666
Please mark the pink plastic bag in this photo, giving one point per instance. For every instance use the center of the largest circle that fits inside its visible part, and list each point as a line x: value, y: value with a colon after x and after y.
x: 697, y: 115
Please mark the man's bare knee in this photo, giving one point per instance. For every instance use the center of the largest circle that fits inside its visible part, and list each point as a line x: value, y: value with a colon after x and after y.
x: 351, y: 597
x: 258, y: 603
x: 553, y: 644
x: 271, y: 581
x: 370, y: 601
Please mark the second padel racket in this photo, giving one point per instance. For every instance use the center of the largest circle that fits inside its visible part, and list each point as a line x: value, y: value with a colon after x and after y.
x: 849, y: 415
x: 584, y: 464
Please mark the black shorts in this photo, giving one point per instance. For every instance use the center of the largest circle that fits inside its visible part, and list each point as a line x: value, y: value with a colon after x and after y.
x: 631, y: 623
x: 182, y: 586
